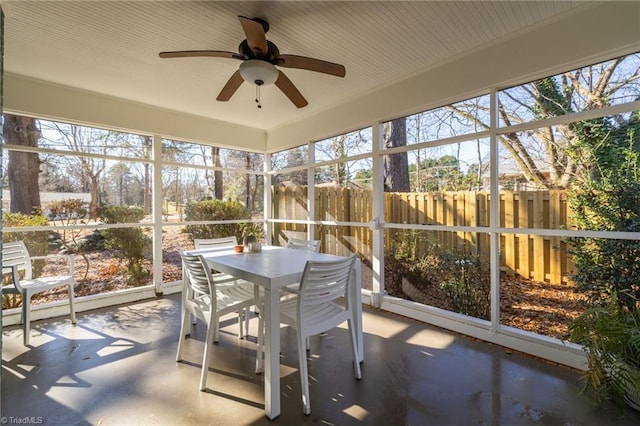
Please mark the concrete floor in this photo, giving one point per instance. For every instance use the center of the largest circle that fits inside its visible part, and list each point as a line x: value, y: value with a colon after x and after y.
x: 117, y: 367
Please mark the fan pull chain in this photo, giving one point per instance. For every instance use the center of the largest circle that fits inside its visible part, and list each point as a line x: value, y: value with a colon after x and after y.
x: 258, y: 84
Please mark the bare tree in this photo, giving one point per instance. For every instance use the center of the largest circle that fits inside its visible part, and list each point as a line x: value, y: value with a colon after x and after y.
x: 24, y: 167
x: 551, y: 156
x: 342, y: 147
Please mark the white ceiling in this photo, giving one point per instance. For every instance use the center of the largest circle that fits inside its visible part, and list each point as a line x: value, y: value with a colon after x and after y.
x: 111, y: 47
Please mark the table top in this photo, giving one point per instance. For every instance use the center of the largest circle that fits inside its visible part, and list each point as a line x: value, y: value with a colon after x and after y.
x: 273, y: 266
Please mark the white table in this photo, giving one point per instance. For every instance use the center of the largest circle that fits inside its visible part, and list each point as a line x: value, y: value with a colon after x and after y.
x: 272, y: 269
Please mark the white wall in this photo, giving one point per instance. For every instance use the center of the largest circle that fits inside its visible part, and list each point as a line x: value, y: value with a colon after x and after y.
x: 35, y: 97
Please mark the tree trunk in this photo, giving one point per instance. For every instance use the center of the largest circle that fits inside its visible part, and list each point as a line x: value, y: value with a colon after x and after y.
x: 218, y: 192
x: 23, y: 168
x: 396, y: 166
x: 94, y: 204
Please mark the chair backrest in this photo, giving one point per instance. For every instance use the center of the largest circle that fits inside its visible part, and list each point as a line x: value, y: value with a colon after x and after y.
x: 215, y: 243
x: 300, y: 244
x: 15, y: 254
x: 198, y: 276
x: 325, y: 281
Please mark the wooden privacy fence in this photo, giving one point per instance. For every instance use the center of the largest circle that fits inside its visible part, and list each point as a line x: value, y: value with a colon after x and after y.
x: 537, y: 257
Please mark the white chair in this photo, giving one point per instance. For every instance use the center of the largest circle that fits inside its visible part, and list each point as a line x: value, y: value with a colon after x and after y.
x: 300, y: 244
x: 208, y: 301
x: 317, y: 309
x: 16, y: 257
x: 221, y: 279
x: 215, y: 243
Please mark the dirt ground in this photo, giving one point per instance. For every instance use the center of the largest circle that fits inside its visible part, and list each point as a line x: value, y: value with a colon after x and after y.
x: 540, y: 308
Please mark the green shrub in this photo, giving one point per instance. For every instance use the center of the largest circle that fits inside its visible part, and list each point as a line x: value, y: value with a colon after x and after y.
x: 129, y: 244
x: 609, y: 201
x: 219, y: 210
x: 468, y: 284
x: 37, y: 243
x: 457, y: 280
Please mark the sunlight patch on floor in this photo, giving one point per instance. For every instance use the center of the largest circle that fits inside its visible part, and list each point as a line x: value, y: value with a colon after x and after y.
x: 357, y: 412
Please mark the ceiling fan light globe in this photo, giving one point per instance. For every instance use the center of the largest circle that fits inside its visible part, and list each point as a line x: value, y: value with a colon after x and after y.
x: 254, y: 70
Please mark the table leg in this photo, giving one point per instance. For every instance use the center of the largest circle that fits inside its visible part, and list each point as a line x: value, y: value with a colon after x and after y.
x: 272, y: 354
x: 357, y: 309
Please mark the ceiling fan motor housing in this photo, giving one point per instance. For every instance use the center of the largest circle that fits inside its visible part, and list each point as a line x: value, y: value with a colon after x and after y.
x: 272, y: 52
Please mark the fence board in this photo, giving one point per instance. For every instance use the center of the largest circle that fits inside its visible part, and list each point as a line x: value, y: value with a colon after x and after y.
x: 509, y: 255
x: 536, y: 257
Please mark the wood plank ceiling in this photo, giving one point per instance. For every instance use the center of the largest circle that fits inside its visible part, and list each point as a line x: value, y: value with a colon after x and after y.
x: 111, y: 47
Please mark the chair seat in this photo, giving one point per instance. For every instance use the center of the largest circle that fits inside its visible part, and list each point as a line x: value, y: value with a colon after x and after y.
x: 231, y: 296
x: 40, y: 284
x: 316, y: 314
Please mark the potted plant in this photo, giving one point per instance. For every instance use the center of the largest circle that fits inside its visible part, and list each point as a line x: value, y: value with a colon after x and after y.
x: 610, y: 334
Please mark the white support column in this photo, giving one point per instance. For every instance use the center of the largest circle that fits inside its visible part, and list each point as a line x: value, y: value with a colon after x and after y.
x: 494, y: 207
x: 156, y: 219
x: 311, y: 192
x: 268, y: 200
x: 377, y: 229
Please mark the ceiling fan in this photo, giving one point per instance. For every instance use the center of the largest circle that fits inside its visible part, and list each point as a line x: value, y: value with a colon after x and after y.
x: 259, y: 58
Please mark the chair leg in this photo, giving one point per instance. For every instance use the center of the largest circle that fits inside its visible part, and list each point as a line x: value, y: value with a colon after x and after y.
x: 354, y: 347
x: 260, y: 348
x: 241, y: 314
x: 216, y: 329
x: 304, y: 374
x: 184, y: 324
x: 208, y: 348
x: 71, y: 305
x: 247, y: 317
x: 26, y: 318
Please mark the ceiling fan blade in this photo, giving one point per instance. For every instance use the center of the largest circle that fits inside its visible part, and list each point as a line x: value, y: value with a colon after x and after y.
x: 200, y: 53
x: 254, y: 32
x: 230, y: 88
x: 290, y: 90
x: 311, y: 64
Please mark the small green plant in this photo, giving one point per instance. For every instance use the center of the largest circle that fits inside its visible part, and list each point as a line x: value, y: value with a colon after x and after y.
x: 130, y: 244
x: 467, y: 285
x: 610, y: 335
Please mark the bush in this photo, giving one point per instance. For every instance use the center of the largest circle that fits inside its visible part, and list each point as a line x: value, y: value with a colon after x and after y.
x: 37, y: 243
x: 455, y: 280
x: 219, y: 210
x: 468, y: 284
x: 610, y: 201
x: 129, y: 244
x: 611, y: 337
